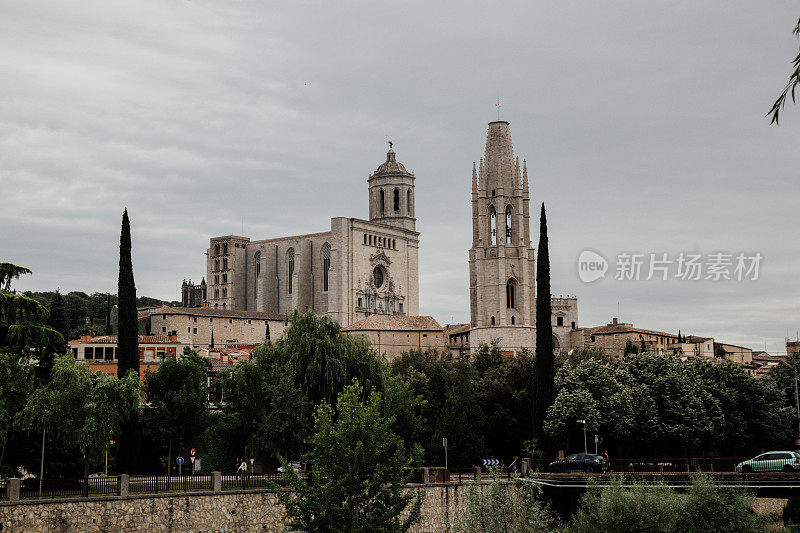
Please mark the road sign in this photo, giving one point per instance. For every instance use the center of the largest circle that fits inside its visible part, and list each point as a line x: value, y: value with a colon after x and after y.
x: 596, y: 439
x: 192, y: 458
x: 179, y: 460
x: 252, y: 461
x: 192, y: 452
x: 491, y: 462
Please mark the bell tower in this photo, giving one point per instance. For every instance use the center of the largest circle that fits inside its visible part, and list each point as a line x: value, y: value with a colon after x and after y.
x: 391, y: 194
x: 501, y: 260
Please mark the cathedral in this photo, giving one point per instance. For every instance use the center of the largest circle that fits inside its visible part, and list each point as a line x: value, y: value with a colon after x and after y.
x: 356, y: 269
x: 502, y: 269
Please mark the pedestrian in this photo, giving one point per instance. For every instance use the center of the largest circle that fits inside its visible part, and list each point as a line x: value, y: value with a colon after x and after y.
x: 242, y: 469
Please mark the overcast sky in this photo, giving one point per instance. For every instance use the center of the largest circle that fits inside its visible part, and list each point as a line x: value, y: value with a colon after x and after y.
x: 642, y: 124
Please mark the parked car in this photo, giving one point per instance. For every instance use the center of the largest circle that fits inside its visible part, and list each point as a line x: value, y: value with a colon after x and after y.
x: 580, y: 462
x: 294, y: 465
x: 771, y: 462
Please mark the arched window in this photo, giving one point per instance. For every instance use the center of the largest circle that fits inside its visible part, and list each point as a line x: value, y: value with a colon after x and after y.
x: 326, y: 265
x: 224, y: 263
x: 378, y: 276
x: 511, y: 294
x: 257, y: 261
x: 512, y: 320
x: 225, y: 248
x: 492, y: 226
x: 493, y: 321
x: 397, y: 200
x: 216, y: 249
x: 408, y: 203
x: 509, y: 223
x: 290, y: 267
x: 382, y: 202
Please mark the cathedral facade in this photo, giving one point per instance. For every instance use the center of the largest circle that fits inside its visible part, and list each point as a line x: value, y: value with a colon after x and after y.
x: 356, y: 269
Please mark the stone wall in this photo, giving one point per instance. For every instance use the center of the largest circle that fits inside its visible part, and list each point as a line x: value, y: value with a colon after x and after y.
x: 193, y: 512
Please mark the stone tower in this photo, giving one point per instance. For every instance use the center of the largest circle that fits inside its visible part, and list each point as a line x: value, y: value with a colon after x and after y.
x: 391, y: 194
x: 501, y: 260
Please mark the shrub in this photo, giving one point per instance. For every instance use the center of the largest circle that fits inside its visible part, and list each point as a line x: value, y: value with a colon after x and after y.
x: 504, y: 508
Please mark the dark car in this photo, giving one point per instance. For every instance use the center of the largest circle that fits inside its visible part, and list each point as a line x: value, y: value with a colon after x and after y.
x: 580, y: 462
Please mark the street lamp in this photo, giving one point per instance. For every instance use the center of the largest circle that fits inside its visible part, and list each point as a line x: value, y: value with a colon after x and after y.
x: 796, y: 400
x: 585, y: 447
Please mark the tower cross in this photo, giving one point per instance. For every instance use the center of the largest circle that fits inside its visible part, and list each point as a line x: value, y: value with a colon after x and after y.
x: 498, y: 108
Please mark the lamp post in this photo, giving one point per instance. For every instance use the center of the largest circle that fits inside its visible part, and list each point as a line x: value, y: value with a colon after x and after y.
x: 585, y: 446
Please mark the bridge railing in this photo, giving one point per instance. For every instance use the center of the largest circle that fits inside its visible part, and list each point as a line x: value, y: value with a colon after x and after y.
x: 662, y: 464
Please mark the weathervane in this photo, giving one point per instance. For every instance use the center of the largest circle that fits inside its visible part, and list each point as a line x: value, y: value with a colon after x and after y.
x: 498, y: 108
x: 390, y: 145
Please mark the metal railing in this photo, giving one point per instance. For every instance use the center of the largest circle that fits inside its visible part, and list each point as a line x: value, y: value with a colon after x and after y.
x: 250, y: 481
x: 661, y: 465
x: 156, y: 484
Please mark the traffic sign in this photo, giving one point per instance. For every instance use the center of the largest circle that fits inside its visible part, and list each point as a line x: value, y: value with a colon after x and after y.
x: 252, y: 461
x: 192, y: 452
x: 596, y: 439
x: 192, y: 458
x: 491, y: 462
x: 179, y: 460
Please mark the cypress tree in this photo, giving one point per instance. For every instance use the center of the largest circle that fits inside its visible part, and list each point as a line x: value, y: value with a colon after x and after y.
x: 127, y: 345
x: 128, y: 320
x: 544, y: 364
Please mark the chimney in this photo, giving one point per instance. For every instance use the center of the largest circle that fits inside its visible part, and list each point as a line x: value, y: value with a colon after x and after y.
x: 615, y: 321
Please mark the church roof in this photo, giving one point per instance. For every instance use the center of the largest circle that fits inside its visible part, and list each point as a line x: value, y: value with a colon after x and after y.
x: 391, y: 166
x: 395, y: 323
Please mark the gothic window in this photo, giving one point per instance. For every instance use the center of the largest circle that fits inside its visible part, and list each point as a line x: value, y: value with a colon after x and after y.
x: 290, y: 267
x: 382, y: 202
x: 365, y: 238
x: 397, y: 200
x: 225, y: 248
x: 216, y: 293
x: 224, y: 278
x: 378, y: 276
x: 508, y: 223
x: 326, y: 265
x: 258, y: 264
x: 216, y: 249
x: 224, y: 293
x: 511, y: 294
x: 492, y: 226
x: 216, y: 265
x: 408, y: 202
x: 225, y: 263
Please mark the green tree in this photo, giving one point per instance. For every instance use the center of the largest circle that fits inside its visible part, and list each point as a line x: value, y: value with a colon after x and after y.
x: 23, y: 328
x: 270, y: 411
x: 324, y: 359
x: 359, y: 471
x: 58, y: 315
x: 15, y: 386
x: 544, y: 364
x: 128, y: 319
x: 178, y: 400
x: 631, y: 347
x: 127, y: 341
x: 85, y: 410
x: 791, y: 86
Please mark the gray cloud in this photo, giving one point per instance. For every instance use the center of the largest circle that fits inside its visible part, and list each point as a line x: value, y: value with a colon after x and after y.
x: 642, y: 125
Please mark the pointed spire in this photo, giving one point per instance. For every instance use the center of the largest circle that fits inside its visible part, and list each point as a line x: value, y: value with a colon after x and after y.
x: 474, y: 178
x: 517, y: 177
x: 212, y: 337
x: 524, y: 176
